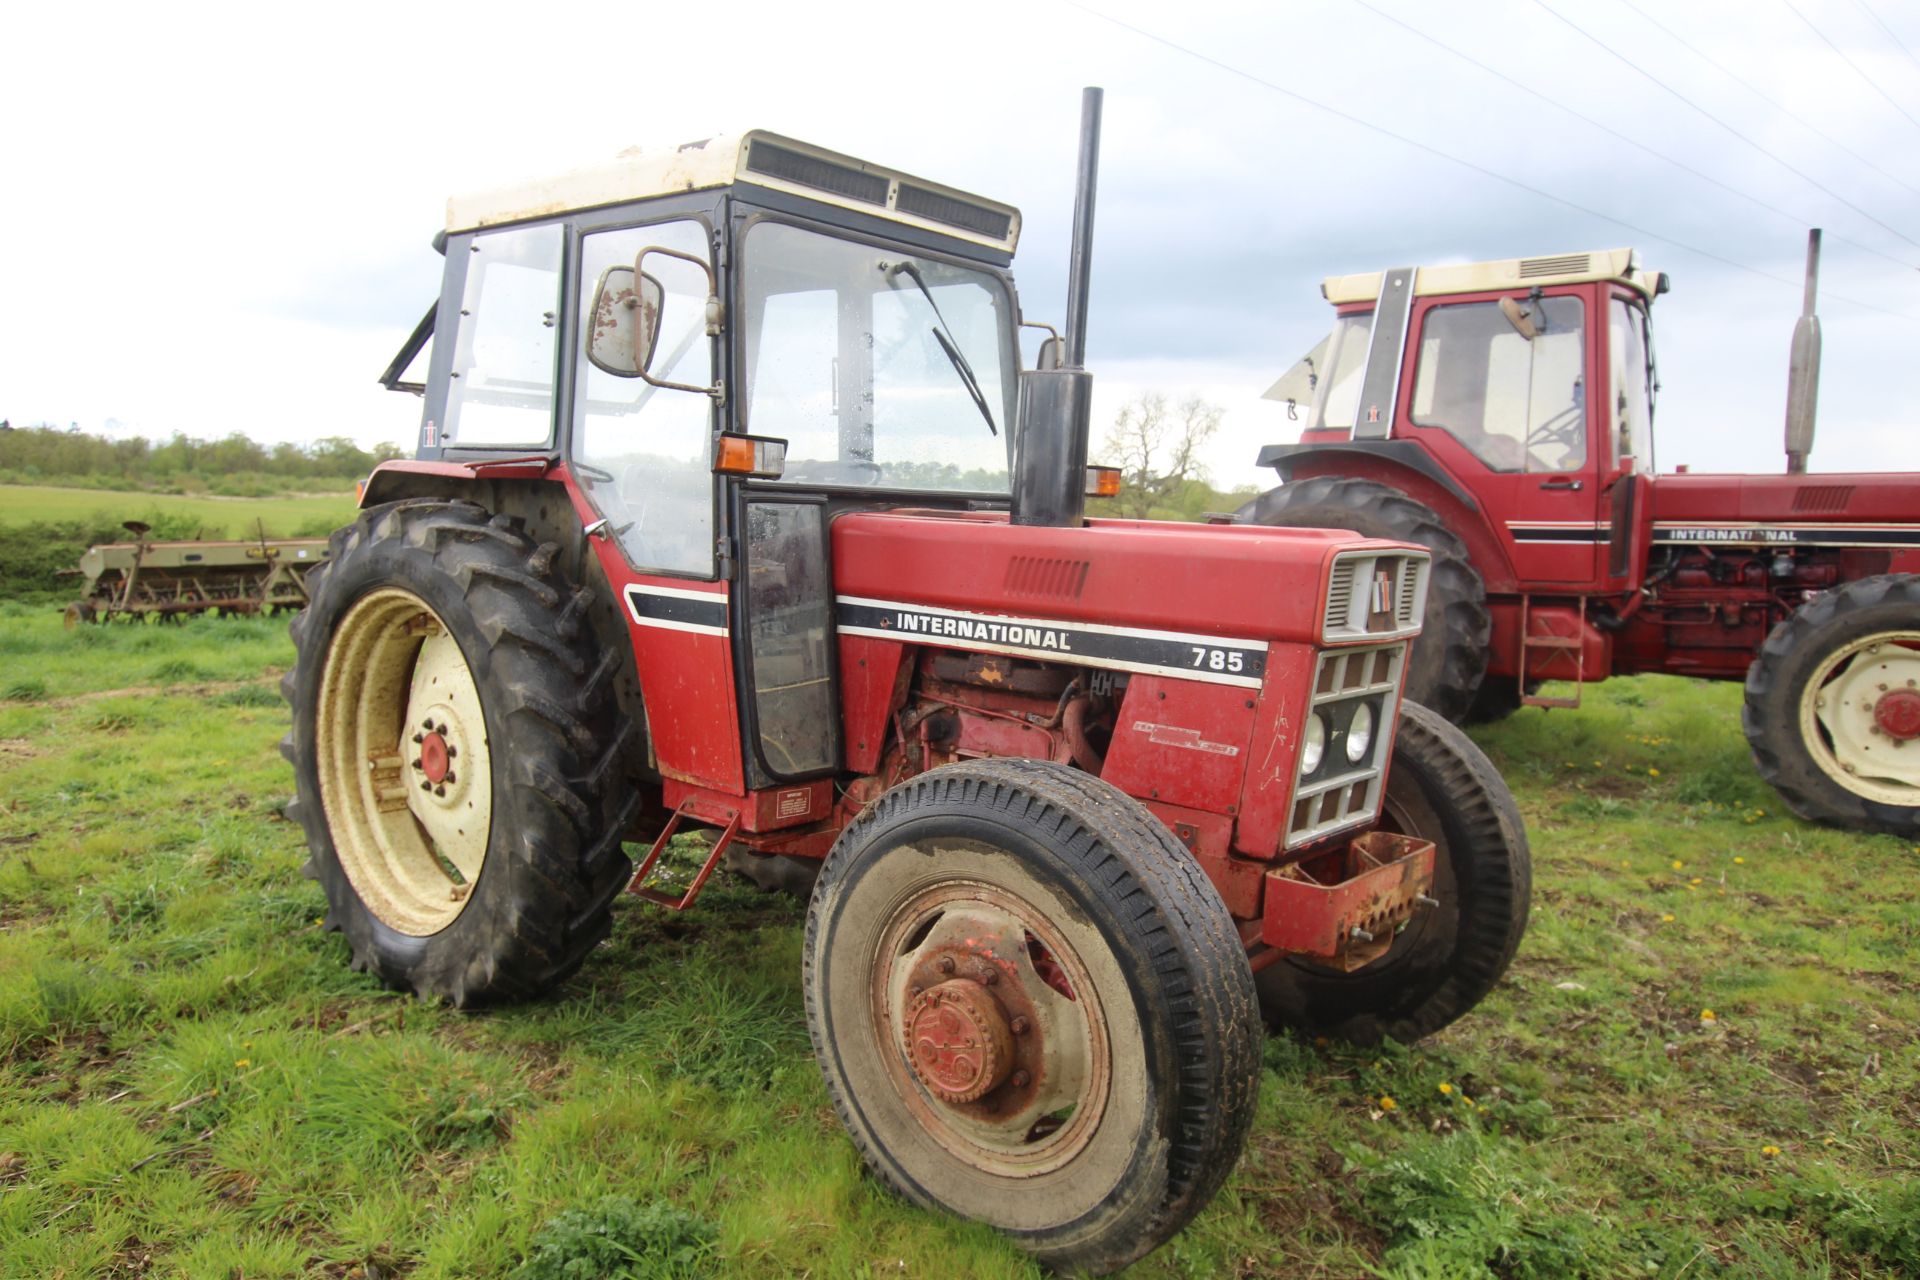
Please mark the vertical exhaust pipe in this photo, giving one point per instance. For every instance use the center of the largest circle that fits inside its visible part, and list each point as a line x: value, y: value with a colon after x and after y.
x: 1803, y: 367
x: 1056, y: 405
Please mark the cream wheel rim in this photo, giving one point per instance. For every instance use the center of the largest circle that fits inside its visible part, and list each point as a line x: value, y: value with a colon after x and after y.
x: 1046, y: 1103
x: 1840, y: 719
x: 405, y: 772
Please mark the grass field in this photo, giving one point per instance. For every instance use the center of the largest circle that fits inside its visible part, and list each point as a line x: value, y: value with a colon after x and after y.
x: 218, y: 517
x: 1703, y: 1063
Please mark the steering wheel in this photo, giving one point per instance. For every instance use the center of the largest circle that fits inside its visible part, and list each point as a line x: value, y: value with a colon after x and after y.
x: 1563, y: 429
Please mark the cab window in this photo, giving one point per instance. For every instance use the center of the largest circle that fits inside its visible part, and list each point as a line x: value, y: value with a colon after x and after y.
x: 1507, y: 382
x: 644, y: 453
x: 501, y: 392
x: 1630, y: 366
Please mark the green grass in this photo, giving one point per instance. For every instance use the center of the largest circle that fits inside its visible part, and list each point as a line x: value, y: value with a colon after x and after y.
x: 217, y: 517
x: 193, y: 1083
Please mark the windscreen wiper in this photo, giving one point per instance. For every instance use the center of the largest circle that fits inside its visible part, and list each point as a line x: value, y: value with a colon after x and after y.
x: 945, y: 339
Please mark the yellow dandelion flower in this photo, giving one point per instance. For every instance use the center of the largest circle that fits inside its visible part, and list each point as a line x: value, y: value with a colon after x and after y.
x: 1667, y: 918
x: 1695, y: 880
x: 1653, y: 773
x: 1387, y: 1103
x: 1707, y: 1015
x: 1759, y: 813
x: 1769, y: 1151
x: 1445, y: 1087
x: 243, y: 1062
x: 1739, y: 861
x: 1677, y: 864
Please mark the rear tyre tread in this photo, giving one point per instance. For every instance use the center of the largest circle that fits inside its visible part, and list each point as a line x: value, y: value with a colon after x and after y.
x: 556, y: 858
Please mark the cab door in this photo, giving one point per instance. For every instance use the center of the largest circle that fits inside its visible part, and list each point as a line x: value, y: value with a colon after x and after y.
x: 640, y: 457
x: 784, y: 617
x: 1501, y: 394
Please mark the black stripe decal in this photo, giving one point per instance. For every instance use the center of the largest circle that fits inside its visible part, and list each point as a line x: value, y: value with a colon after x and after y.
x: 1215, y: 659
x: 1543, y: 533
x: 677, y: 612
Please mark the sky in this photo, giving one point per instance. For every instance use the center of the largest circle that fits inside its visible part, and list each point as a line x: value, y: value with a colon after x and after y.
x: 217, y: 219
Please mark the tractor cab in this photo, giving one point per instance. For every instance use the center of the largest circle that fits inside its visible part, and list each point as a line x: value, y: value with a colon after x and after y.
x: 721, y: 345
x: 1523, y: 388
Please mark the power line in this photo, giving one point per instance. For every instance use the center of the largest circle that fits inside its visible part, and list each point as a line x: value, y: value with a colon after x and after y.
x: 1898, y: 42
x: 1464, y: 163
x: 1850, y: 62
x: 1691, y: 104
x: 1682, y: 165
x: 1766, y: 97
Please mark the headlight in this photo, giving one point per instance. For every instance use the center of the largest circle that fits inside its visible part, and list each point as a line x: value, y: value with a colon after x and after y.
x: 1360, y: 733
x: 1313, y: 743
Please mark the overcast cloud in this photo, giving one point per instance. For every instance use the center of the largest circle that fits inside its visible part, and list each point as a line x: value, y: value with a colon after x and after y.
x: 218, y: 219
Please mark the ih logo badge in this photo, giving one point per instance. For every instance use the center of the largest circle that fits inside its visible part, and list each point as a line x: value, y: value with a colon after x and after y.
x: 1373, y: 413
x: 1382, y: 591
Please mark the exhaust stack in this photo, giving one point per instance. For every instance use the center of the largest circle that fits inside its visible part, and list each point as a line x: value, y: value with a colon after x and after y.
x: 1056, y: 405
x: 1803, y: 369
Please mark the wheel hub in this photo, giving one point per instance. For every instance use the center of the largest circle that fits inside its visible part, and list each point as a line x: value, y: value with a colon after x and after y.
x: 1898, y: 714
x: 433, y: 760
x: 959, y: 1041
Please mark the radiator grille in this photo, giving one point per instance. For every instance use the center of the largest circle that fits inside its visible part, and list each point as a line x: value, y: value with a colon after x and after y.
x: 1375, y: 596
x: 1343, y: 792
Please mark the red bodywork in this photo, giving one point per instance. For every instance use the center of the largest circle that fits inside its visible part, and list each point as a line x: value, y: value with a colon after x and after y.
x: 1213, y: 752
x: 1612, y: 571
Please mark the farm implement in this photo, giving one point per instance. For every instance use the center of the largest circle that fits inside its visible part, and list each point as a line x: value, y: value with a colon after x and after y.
x: 144, y: 578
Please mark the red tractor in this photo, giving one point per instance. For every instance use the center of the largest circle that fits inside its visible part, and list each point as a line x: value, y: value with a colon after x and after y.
x: 1500, y: 414
x: 733, y: 510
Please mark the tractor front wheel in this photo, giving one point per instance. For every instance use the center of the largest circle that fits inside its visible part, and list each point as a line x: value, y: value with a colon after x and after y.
x: 457, y: 754
x: 1032, y: 1009
x: 1832, y: 711
x: 1442, y: 788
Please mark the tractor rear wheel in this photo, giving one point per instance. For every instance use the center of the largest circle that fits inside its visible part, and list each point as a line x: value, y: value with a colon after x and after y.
x: 1450, y: 657
x: 1032, y: 1009
x: 1832, y: 712
x: 1440, y: 788
x: 457, y: 752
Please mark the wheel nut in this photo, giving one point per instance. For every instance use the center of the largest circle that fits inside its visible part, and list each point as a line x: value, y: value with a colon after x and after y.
x: 419, y: 738
x: 440, y: 791
x: 1021, y: 1025
x: 427, y: 725
x: 916, y: 991
x: 425, y: 785
x: 452, y: 751
x: 416, y: 762
x: 1021, y: 1079
x: 450, y: 777
x: 989, y: 975
x: 946, y: 964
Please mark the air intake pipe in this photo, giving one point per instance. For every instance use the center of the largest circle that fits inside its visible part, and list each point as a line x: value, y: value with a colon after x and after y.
x: 1056, y: 404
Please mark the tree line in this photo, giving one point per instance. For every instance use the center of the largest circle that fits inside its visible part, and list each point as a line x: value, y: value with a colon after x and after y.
x: 47, y: 453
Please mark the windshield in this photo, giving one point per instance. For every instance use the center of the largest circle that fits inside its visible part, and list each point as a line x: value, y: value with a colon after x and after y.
x: 860, y: 357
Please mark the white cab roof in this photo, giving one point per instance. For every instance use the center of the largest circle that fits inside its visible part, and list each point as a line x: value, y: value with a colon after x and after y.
x: 758, y: 157
x: 1621, y: 265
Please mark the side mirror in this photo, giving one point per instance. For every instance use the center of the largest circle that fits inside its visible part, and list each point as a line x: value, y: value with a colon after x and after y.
x: 626, y: 323
x: 1048, y: 356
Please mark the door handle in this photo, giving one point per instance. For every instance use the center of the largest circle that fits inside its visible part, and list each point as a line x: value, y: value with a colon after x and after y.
x: 1563, y: 484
